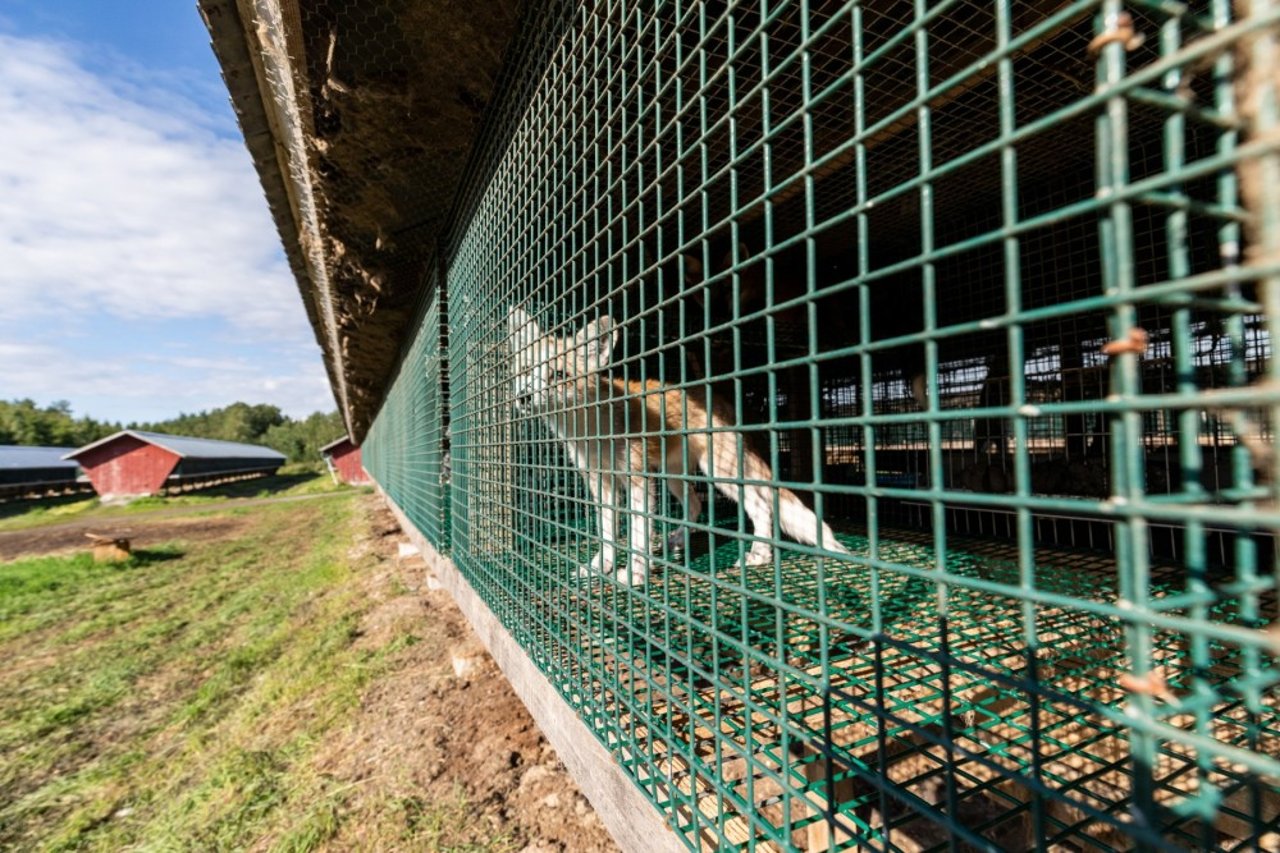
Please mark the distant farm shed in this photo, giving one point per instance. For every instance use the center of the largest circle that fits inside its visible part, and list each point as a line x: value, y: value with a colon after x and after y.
x: 133, y: 462
x: 343, y: 458
x: 33, y: 471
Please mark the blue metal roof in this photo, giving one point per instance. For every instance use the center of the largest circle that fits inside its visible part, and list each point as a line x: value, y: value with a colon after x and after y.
x: 191, y: 448
x: 15, y: 457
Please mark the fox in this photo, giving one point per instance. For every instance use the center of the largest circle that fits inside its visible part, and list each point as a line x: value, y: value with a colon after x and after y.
x: 620, y: 433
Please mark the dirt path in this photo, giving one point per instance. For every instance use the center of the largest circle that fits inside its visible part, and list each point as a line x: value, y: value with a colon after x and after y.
x: 445, y: 727
x: 143, y: 528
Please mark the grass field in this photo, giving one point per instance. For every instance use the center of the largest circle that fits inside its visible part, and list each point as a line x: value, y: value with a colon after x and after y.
x: 290, y: 481
x: 176, y: 701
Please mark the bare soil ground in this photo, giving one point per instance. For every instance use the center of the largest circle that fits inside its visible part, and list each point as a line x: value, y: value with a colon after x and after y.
x: 425, y: 735
x: 142, y: 529
x: 141, y: 532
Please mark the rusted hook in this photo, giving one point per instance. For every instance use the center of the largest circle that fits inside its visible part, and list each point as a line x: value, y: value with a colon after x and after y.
x: 1122, y: 31
x: 1135, y: 343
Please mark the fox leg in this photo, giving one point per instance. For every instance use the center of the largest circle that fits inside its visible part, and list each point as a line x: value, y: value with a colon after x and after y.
x: 687, y: 496
x: 602, y: 562
x: 757, y: 501
x: 641, y: 540
x: 684, y: 492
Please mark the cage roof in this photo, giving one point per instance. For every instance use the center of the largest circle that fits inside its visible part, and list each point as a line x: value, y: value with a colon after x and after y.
x: 22, y: 456
x: 187, y: 447
x: 361, y: 118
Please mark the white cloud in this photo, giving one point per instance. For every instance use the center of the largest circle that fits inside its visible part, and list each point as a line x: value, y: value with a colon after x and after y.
x: 140, y: 272
x: 118, y: 197
x: 54, y: 368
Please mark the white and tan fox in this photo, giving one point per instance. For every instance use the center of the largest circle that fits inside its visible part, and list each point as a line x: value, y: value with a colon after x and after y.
x: 620, y: 432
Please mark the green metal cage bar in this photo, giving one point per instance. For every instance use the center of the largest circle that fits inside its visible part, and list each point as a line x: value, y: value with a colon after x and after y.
x: 990, y: 288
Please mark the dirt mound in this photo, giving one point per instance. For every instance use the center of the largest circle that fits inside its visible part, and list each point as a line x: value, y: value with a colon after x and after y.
x: 444, y: 727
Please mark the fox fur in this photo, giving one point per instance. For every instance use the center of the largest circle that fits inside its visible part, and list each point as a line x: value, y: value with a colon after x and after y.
x: 620, y: 432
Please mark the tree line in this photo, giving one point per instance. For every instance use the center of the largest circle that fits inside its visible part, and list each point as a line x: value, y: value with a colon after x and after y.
x: 25, y: 422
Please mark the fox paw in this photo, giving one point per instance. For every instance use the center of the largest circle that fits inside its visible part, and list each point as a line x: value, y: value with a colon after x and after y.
x: 598, y: 566
x: 679, y: 540
x: 758, y: 556
x: 632, y: 576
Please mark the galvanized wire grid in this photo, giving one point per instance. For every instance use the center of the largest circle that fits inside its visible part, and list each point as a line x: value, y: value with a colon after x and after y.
x: 970, y: 278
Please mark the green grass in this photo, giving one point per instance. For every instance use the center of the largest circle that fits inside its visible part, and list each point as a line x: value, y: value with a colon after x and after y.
x: 19, y: 515
x: 173, y: 701
x: 290, y: 482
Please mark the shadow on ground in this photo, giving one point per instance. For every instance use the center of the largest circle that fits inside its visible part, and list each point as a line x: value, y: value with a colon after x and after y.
x: 264, y: 487
x: 143, y: 557
x: 10, y: 509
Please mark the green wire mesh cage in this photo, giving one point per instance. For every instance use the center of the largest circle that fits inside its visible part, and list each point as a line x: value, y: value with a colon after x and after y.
x: 406, y: 450
x: 862, y: 413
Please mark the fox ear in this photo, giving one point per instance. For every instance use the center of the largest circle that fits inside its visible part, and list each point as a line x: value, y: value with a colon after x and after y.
x: 518, y: 321
x: 596, y: 341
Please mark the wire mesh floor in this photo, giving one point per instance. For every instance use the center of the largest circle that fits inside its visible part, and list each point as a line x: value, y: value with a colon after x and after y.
x: 762, y: 726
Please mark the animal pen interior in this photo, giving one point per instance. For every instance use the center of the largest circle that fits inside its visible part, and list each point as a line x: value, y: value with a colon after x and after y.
x: 989, y: 285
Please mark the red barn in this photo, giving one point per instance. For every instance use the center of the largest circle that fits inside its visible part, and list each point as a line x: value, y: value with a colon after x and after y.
x: 343, y: 458
x: 133, y: 462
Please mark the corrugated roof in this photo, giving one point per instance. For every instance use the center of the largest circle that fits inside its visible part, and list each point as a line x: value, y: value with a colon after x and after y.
x: 335, y: 443
x: 190, y: 448
x: 15, y: 456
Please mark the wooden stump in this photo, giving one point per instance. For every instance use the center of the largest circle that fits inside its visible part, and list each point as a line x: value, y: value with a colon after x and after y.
x: 109, y: 549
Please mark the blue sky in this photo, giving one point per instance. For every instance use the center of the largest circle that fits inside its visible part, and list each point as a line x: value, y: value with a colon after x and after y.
x: 142, y: 274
